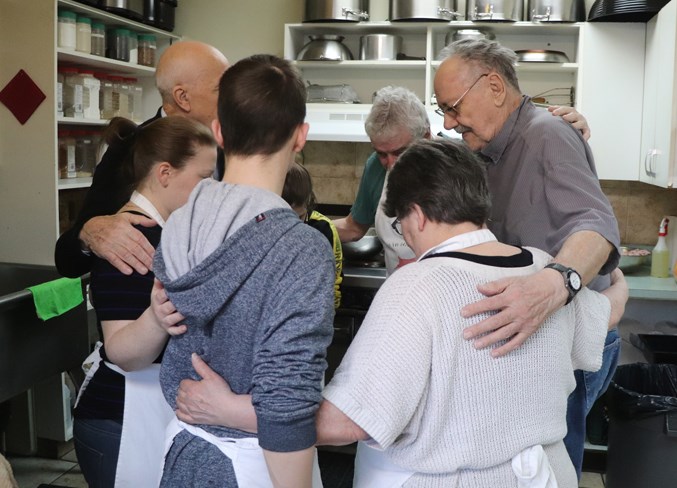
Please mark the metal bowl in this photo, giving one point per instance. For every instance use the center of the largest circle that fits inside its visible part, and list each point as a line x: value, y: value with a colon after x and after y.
x: 630, y: 264
x: 541, y: 56
x: 364, y: 249
x: 325, y: 48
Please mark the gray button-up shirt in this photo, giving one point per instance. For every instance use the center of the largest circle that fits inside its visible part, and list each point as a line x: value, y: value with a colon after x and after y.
x: 544, y: 186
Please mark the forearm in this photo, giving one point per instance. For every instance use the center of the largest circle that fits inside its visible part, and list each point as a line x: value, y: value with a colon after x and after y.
x: 335, y: 428
x: 136, y: 345
x: 586, y: 252
x: 617, y: 294
x: 290, y: 469
x: 349, y: 230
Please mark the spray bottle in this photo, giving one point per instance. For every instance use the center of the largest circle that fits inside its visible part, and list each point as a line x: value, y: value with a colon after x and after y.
x: 660, y: 256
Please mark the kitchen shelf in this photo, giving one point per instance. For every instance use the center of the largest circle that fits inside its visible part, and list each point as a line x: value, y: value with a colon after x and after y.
x: 74, y: 183
x: 537, y: 67
x: 90, y: 61
x: 88, y: 122
x: 112, y: 19
x: 404, y: 64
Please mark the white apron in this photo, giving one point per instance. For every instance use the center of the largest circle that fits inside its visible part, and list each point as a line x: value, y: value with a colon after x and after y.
x: 373, y: 469
x: 145, y: 419
x: 249, y: 463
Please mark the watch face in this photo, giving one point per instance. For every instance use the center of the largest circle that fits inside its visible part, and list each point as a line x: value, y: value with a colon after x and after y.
x: 575, y: 281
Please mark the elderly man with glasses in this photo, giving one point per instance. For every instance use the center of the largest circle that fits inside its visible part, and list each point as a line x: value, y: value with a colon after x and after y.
x: 397, y: 119
x: 545, y: 194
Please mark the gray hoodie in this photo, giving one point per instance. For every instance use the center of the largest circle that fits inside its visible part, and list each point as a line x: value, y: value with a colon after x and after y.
x: 256, y: 288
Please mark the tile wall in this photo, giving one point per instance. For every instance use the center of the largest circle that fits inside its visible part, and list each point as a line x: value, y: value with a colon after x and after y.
x: 336, y: 168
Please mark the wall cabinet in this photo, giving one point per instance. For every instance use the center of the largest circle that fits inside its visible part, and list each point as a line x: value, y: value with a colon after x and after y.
x: 603, y: 79
x: 657, y: 164
x: 30, y: 191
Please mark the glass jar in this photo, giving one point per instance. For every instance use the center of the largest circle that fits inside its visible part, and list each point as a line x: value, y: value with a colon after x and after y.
x: 85, y: 152
x: 147, y: 48
x: 66, y: 32
x: 117, y: 46
x: 108, y: 102
x: 135, y: 99
x: 72, y: 93
x: 133, y: 48
x: 98, y: 39
x: 83, y: 39
x: 90, y: 95
x: 59, y: 93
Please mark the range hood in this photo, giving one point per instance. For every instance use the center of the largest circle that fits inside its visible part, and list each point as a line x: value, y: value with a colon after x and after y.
x: 345, y: 122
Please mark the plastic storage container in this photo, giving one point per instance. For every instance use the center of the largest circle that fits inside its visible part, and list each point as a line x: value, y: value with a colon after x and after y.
x: 98, y: 39
x: 108, y: 102
x: 642, y: 401
x: 117, y: 44
x: 147, y: 48
x: 66, y: 31
x: 72, y: 93
x: 83, y: 37
x: 133, y: 48
x: 59, y: 94
x: 85, y: 152
x: 90, y: 95
x: 120, y: 96
x: 66, y: 154
x: 135, y: 99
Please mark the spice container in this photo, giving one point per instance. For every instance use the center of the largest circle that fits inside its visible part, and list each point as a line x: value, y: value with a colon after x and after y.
x: 66, y: 31
x: 147, y: 48
x: 90, y: 95
x: 59, y: 94
x: 108, y: 102
x: 133, y: 48
x: 135, y: 102
x: 117, y: 46
x: 83, y: 38
x: 72, y: 93
x: 98, y: 39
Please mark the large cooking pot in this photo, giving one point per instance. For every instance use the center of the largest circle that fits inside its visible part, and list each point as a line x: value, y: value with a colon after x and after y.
x: 556, y: 10
x: 380, y: 47
x: 336, y: 10
x: 325, y: 48
x: 422, y: 10
x: 495, y: 10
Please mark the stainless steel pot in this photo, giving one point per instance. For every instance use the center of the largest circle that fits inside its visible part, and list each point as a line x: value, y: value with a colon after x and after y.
x: 423, y: 10
x: 380, y: 47
x: 495, y: 10
x: 336, y: 10
x: 556, y: 10
x: 325, y: 48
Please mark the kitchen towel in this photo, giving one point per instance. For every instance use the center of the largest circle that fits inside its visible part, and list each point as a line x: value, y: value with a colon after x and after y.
x: 56, y: 297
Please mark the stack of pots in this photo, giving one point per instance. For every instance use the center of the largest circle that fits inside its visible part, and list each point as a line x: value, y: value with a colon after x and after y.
x: 336, y: 10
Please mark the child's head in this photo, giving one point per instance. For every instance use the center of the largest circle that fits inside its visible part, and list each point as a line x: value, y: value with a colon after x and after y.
x: 298, y: 191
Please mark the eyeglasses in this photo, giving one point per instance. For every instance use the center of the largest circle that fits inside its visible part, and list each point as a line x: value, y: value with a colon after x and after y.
x: 453, y: 111
x: 397, y: 226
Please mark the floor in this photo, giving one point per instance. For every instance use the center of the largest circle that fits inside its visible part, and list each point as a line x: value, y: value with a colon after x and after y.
x: 31, y: 472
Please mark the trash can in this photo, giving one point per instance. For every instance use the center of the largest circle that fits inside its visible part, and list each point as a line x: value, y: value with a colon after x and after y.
x: 642, y: 450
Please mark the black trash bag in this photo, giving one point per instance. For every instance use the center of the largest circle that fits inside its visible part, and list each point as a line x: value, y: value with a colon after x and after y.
x: 643, y: 390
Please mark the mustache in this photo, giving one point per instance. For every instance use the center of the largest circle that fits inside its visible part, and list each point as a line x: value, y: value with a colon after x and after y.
x: 460, y: 129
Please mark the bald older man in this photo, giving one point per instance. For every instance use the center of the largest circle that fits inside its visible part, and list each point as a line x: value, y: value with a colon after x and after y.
x: 187, y: 77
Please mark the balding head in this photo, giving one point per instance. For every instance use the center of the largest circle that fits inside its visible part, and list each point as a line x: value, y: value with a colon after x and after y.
x: 187, y: 77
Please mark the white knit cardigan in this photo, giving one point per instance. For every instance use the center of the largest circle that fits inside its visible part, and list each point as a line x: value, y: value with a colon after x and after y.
x: 452, y: 413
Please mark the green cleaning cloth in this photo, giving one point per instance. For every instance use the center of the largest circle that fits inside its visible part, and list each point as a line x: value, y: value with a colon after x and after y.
x: 56, y: 297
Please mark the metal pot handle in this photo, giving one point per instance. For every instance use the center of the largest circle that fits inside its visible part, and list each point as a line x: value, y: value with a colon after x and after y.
x: 485, y: 15
x: 540, y: 17
x: 362, y: 15
x: 446, y: 11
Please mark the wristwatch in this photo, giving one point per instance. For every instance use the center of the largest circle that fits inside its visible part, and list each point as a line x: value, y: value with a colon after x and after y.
x: 572, y: 280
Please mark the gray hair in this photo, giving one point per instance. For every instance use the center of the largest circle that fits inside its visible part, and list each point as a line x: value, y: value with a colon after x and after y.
x: 394, y: 108
x: 488, y: 54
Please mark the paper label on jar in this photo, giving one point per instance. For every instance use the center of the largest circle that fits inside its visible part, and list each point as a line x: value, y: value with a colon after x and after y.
x: 71, y: 171
x: 77, y: 100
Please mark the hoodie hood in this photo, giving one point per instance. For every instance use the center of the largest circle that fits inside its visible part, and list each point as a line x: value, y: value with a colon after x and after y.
x: 235, y: 224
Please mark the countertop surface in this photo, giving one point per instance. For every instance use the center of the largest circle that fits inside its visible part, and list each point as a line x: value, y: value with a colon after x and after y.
x: 641, y: 284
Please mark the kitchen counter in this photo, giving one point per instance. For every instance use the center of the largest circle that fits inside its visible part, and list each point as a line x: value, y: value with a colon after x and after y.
x: 642, y: 285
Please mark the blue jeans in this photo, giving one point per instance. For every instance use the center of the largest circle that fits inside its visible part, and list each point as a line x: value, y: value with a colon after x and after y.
x: 97, y: 445
x: 589, y: 387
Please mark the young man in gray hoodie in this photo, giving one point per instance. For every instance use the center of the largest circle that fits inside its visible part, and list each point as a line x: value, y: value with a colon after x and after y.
x: 255, y: 286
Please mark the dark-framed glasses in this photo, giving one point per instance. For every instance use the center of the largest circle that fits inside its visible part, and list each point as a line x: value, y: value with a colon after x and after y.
x: 453, y: 110
x: 397, y: 226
